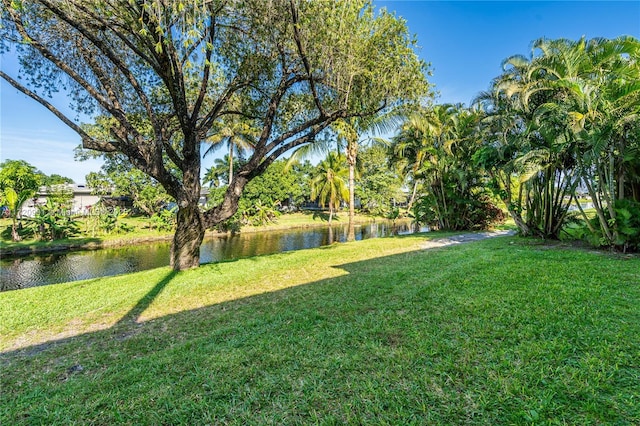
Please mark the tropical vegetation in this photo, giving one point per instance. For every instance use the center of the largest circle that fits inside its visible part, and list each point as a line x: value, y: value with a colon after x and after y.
x: 329, y: 185
x: 19, y: 183
x: 239, y: 136
x: 167, y: 76
x: 565, y: 121
x: 554, y: 128
x: 435, y: 149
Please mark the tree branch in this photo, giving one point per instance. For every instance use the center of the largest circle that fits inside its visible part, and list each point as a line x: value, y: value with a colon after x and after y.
x: 87, y: 141
x: 57, y: 62
x: 208, y: 120
x: 302, y: 127
x: 173, y: 155
x: 303, y: 56
x: 267, y: 126
x: 105, y: 49
x: 307, y: 138
x: 205, y: 74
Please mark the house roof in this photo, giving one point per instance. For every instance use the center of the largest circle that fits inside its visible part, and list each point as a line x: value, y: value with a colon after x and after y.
x: 77, y: 189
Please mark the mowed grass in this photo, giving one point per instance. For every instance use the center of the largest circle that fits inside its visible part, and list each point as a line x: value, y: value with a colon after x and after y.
x: 502, y: 331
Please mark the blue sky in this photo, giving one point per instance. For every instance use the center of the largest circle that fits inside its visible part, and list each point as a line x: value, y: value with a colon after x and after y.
x: 465, y: 41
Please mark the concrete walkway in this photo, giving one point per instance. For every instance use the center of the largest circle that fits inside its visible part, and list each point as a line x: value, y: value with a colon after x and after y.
x: 465, y: 238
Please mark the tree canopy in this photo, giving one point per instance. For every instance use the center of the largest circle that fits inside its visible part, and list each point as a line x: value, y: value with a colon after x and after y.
x: 164, y: 74
x: 20, y: 175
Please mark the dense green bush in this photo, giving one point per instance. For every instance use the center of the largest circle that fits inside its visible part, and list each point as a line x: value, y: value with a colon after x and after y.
x: 165, y: 219
x: 460, y: 213
x: 626, y: 223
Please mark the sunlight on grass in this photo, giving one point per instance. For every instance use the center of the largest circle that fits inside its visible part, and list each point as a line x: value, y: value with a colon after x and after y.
x: 227, y: 281
x: 503, y: 331
x: 39, y: 314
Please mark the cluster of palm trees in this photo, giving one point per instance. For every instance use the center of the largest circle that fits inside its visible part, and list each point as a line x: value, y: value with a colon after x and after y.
x: 435, y: 149
x: 562, y: 122
x: 556, y: 128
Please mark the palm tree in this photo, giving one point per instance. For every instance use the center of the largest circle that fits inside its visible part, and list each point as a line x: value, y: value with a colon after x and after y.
x: 329, y: 185
x: 14, y: 202
x: 349, y: 138
x: 239, y: 137
x: 569, y: 114
x: 603, y: 109
x: 593, y: 89
x: 348, y: 134
x: 501, y: 130
x: 218, y: 174
x: 420, y: 134
x: 436, y: 147
x: 546, y: 151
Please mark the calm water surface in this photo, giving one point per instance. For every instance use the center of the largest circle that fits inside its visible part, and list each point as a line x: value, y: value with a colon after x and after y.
x: 32, y: 271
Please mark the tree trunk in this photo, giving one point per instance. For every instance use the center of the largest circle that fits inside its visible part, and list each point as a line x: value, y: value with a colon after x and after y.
x: 14, y: 232
x: 185, y: 250
x: 413, y: 195
x: 352, y: 155
x: 520, y: 223
x: 445, y: 209
x: 230, y: 163
x: 504, y: 182
x: 351, y: 235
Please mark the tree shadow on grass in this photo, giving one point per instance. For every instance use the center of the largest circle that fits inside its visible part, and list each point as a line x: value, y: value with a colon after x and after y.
x: 129, y: 327
x: 310, y: 353
x: 133, y: 315
x: 124, y: 327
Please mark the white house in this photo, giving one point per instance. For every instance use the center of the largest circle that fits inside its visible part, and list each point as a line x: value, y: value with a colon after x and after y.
x: 82, y: 200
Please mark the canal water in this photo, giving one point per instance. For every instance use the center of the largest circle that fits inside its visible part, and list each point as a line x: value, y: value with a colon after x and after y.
x: 38, y: 270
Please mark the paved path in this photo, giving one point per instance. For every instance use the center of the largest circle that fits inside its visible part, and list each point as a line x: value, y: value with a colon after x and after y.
x: 465, y: 238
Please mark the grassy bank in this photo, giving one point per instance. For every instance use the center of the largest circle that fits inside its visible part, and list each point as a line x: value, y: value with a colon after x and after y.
x: 141, y: 233
x: 503, y: 331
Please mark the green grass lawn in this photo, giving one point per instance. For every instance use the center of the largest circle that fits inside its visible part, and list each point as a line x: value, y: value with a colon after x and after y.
x: 502, y: 331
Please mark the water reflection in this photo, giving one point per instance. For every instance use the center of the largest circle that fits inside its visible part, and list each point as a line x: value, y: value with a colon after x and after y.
x: 40, y: 270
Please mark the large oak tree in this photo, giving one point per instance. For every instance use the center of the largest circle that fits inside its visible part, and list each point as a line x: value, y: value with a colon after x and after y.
x: 165, y: 72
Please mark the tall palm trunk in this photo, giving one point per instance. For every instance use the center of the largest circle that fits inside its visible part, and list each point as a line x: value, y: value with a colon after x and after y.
x: 412, y: 200
x: 230, y: 163
x: 351, y: 235
x: 352, y: 153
